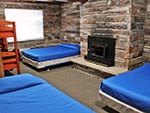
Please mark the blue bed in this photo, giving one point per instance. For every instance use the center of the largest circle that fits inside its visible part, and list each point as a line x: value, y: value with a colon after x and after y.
x: 43, y: 57
x: 26, y: 93
x: 132, y: 88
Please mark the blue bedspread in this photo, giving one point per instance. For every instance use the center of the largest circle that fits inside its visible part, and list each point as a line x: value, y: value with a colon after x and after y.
x: 26, y: 93
x: 132, y: 87
x: 52, y: 52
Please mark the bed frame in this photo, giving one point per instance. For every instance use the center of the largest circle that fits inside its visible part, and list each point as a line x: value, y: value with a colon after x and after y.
x: 40, y: 65
x: 116, y: 104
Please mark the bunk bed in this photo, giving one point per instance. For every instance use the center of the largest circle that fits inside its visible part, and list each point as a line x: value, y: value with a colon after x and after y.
x: 52, y: 55
x: 129, y: 91
x: 27, y: 93
x: 10, y: 59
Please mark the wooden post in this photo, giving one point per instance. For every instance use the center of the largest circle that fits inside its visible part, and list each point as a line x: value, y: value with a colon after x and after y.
x: 1, y: 66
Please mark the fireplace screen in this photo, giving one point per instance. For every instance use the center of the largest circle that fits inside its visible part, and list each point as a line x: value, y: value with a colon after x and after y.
x: 101, y: 49
x: 98, y: 51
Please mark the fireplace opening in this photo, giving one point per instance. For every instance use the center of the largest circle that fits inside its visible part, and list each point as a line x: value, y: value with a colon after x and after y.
x: 98, y: 51
x: 101, y: 49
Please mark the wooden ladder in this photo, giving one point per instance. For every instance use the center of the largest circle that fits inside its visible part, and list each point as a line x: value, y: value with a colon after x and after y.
x: 10, y: 60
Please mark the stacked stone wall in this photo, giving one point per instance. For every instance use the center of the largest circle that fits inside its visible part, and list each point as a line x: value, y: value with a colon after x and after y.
x: 70, y: 21
x: 108, y: 17
x: 137, y: 33
x: 51, y: 19
x: 128, y: 21
x: 147, y: 35
x: 123, y: 20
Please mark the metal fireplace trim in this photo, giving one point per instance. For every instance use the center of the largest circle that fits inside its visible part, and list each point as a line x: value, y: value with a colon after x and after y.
x: 107, y: 45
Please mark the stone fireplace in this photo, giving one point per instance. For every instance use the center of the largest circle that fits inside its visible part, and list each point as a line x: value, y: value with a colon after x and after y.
x: 124, y: 20
x: 101, y: 49
x: 127, y: 21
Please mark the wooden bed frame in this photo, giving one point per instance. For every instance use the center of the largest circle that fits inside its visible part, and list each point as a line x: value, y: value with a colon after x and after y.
x: 40, y: 65
x: 116, y: 104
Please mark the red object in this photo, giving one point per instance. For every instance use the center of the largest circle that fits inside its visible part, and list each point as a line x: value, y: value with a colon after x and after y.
x: 10, y: 60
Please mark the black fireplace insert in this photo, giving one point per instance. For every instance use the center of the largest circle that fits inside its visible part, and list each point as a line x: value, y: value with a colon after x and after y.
x: 101, y: 49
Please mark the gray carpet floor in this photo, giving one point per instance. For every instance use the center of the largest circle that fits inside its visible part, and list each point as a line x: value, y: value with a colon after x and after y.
x: 77, y: 84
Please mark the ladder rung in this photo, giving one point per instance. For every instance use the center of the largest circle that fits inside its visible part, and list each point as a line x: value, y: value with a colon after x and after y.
x: 9, y: 66
x: 5, y: 29
x: 6, y: 34
x: 9, y: 60
x: 8, y: 54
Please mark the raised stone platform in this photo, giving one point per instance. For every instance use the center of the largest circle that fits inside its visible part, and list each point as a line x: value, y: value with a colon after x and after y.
x: 90, y: 67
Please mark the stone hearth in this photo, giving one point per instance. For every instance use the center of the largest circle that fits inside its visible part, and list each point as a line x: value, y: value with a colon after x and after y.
x: 96, y: 69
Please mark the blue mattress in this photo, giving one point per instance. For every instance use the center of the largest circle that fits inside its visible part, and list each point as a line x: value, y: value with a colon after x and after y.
x: 132, y: 88
x: 52, y: 52
x: 26, y: 93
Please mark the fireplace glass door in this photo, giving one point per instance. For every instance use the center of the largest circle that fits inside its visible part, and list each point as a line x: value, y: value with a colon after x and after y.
x: 101, y: 49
